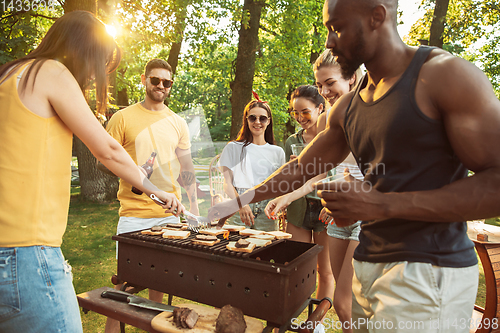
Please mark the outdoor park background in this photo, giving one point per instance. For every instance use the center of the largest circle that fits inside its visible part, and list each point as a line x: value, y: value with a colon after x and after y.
x: 220, y: 51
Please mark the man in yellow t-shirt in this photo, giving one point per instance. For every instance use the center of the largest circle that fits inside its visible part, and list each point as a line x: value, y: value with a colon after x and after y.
x: 143, y: 128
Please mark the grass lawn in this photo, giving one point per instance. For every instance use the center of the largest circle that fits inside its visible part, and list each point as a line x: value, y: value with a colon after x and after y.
x: 89, y: 249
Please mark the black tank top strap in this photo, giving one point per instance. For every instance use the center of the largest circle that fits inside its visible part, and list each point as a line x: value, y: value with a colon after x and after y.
x: 410, y: 76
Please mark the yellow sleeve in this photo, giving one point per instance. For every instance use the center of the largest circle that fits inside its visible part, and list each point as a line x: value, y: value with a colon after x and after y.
x: 115, y: 127
x: 184, y: 142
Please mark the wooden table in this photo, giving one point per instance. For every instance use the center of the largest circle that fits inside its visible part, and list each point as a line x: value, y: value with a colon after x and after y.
x: 489, y: 254
x: 120, y: 311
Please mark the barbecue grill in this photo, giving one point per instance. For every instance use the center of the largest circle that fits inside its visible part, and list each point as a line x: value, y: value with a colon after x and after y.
x: 272, y: 283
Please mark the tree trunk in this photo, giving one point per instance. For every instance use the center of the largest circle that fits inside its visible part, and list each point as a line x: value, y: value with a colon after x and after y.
x: 95, y: 185
x: 173, y: 56
x: 289, y: 125
x: 317, y: 45
x: 245, y: 62
x: 438, y: 21
x: 180, y: 25
x: 122, y: 98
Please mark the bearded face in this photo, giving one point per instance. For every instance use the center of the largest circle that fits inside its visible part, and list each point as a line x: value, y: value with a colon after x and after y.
x: 157, y: 93
x: 350, y: 63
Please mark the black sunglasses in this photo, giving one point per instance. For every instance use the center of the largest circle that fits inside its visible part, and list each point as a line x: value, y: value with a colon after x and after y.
x: 262, y: 119
x: 156, y: 81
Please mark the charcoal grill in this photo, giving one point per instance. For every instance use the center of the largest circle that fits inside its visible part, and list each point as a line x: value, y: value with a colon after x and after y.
x: 271, y: 283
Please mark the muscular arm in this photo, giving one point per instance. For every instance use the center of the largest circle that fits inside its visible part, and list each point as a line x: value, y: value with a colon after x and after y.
x: 280, y: 203
x: 454, y: 91
x: 328, y: 149
x: 188, y: 178
x: 471, y: 115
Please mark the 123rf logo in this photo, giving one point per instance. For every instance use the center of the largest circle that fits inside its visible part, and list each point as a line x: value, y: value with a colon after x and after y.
x: 26, y: 5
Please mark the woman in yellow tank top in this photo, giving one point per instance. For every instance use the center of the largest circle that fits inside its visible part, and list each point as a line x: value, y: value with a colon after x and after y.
x: 42, y: 106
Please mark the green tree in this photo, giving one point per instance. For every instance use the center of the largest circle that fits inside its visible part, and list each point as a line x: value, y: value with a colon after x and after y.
x: 468, y: 23
x: 23, y: 29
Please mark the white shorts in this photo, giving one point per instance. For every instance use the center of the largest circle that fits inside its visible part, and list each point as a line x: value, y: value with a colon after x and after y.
x: 413, y: 297
x: 129, y: 224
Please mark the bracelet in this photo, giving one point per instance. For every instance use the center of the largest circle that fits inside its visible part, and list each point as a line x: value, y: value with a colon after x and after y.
x: 239, y: 201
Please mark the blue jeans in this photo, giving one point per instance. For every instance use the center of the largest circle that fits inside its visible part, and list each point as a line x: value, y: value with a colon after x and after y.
x: 36, y: 291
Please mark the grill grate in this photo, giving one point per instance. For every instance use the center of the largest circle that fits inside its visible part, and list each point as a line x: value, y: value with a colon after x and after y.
x: 271, y: 283
x: 219, y: 248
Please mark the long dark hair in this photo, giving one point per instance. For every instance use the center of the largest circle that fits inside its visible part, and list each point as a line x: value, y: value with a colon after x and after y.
x: 79, y: 41
x: 245, y: 135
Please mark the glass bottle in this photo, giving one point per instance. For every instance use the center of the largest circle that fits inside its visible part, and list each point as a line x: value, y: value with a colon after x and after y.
x: 148, y: 166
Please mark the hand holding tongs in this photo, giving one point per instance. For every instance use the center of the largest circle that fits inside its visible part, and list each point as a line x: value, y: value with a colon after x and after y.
x: 194, y: 222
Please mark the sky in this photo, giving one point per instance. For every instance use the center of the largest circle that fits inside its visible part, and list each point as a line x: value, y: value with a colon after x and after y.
x: 410, y: 15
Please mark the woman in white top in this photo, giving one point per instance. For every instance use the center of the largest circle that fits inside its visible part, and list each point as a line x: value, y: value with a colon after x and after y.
x: 342, y: 241
x: 249, y: 160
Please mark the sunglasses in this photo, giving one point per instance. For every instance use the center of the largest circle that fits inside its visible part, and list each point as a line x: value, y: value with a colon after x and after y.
x: 304, y: 114
x: 156, y: 81
x: 262, y: 119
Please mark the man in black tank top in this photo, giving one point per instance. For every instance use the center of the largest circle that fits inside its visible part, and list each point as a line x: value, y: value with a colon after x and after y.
x: 418, y: 120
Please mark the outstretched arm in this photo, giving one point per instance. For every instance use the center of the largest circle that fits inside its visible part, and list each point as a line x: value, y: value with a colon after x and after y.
x: 64, y: 95
x: 328, y: 149
x: 458, y: 93
x: 245, y: 211
x: 281, y: 203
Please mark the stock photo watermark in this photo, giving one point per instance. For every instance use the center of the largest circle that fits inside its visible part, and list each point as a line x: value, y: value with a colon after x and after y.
x: 27, y: 6
x: 417, y: 325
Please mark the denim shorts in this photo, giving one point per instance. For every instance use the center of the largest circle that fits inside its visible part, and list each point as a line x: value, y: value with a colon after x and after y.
x: 36, y: 291
x: 347, y: 233
x: 311, y: 220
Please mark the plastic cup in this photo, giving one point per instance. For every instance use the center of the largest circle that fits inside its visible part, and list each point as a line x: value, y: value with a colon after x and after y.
x: 297, y: 148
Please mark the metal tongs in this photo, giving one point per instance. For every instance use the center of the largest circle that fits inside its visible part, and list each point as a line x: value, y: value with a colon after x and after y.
x: 195, y: 223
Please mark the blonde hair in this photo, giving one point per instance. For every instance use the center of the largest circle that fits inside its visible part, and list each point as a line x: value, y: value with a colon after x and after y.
x: 326, y: 59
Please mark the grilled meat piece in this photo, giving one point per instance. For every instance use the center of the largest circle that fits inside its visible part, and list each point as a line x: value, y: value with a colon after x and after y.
x: 230, y: 320
x: 185, y: 317
x: 156, y: 228
x: 242, y: 243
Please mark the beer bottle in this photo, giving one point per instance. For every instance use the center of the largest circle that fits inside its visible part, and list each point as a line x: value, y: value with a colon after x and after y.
x: 148, y: 166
